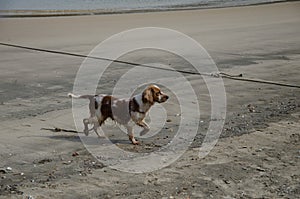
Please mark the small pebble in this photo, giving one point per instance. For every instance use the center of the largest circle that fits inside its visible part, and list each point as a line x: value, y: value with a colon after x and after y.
x: 8, y: 168
x: 75, y: 154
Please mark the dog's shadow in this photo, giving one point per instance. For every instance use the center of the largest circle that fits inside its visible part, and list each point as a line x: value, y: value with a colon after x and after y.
x: 92, y: 139
x: 71, y: 138
x: 95, y: 140
x: 89, y: 140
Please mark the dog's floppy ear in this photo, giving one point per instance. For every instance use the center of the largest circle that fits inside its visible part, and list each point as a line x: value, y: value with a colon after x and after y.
x: 148, y: 96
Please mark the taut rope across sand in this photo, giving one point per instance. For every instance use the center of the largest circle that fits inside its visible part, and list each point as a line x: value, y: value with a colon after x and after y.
x: 216, y: 75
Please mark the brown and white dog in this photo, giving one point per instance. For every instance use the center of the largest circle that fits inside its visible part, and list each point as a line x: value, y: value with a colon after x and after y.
x: 127, y: 112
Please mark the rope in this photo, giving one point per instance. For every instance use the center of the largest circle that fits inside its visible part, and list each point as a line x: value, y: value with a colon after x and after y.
x: 216, y: 75
x: 239, y: 78
x: 99, y: 58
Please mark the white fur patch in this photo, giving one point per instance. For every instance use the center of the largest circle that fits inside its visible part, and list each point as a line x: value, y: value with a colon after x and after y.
x: 99, y: 99
x: 115, y: 103
x: 139, y: 99
x: 159, y: 98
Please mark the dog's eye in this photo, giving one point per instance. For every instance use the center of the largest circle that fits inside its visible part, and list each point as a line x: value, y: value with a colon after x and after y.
x: 157, y: 94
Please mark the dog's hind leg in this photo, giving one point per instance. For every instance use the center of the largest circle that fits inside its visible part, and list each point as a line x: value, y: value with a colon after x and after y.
x: 95, y: 127
x: 93, y: 121
x: 86, y: 123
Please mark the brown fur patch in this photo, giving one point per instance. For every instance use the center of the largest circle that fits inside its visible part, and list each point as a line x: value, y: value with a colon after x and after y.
x: 105, y: 108
x: 148, y: 96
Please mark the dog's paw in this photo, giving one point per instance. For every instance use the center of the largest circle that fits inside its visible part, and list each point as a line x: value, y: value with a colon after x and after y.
x: 135, y: 142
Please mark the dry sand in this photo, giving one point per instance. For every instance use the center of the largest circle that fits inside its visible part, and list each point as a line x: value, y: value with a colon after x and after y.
x: 257, y: 156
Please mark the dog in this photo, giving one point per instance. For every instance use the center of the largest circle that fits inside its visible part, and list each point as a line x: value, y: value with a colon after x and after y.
x: 127, y: 112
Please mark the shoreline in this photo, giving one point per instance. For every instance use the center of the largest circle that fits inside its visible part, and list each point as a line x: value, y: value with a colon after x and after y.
x: 71, y: 13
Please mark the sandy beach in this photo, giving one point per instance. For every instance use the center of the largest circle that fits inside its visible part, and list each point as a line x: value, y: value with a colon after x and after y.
x: 257, y: 155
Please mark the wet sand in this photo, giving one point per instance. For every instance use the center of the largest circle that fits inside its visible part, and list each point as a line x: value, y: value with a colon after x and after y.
x: 257, y: 156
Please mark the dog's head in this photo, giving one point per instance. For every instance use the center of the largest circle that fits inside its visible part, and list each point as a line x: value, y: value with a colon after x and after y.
x: 153, y: 94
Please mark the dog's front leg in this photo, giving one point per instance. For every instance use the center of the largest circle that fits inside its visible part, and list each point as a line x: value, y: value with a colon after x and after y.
x: 145, y: 127
x: 131, y: 135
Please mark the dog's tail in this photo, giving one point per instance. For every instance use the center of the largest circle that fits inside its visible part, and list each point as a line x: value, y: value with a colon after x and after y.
x: 93, y: 103
x: 90, y: 97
